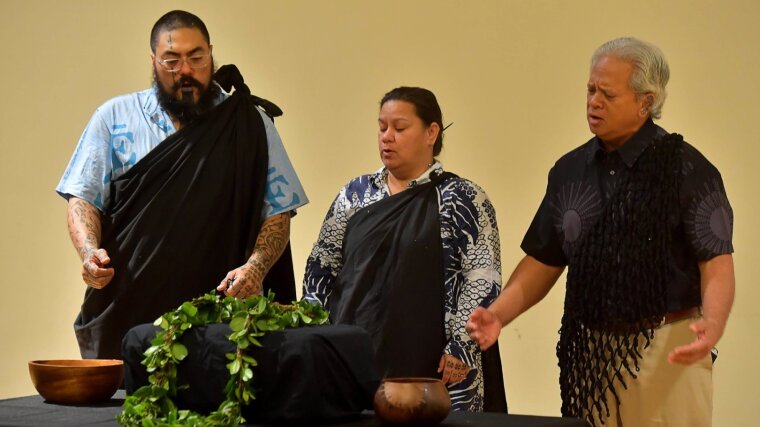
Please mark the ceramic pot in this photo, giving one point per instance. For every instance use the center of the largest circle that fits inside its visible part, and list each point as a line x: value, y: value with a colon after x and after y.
x: 412, y: 401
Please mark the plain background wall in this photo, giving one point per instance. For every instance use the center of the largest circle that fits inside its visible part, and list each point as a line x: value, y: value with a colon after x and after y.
x: 510, y: 74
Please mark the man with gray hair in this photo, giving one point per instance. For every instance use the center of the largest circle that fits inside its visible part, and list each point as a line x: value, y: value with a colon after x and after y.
x: 642, y: 221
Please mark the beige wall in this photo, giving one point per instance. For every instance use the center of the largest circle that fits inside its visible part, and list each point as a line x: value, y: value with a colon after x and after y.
x: 510, y: 75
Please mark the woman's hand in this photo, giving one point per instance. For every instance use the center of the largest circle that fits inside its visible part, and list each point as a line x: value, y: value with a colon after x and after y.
x: 454, y: 370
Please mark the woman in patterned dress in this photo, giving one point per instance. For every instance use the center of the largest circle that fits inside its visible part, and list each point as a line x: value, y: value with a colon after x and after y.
x: 407, y: 252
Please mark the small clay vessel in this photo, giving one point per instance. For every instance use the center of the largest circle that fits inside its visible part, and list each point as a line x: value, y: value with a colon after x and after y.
x: 412, y: 401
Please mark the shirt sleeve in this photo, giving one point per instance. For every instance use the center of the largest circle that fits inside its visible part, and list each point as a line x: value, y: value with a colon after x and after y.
x: 88, y: 173
x: 326, y: 259
x: 284, y: 191
x: 706, y: 214
x: 476, y: 241
x: 542, y: 241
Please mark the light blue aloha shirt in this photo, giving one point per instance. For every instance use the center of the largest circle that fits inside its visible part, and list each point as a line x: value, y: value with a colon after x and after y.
x: 126, y: 128
x: 471, y: 259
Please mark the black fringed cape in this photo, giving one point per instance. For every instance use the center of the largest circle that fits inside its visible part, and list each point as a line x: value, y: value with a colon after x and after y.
x: 617, y: 281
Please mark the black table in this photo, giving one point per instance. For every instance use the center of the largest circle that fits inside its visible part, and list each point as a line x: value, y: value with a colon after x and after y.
x: 35, y: 411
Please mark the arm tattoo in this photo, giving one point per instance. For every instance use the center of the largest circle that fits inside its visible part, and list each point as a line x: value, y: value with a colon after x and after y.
x: 273, y: 237
x: 84, y: 226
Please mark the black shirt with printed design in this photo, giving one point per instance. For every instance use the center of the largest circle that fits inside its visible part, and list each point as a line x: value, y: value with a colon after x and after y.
x: 582, y: 181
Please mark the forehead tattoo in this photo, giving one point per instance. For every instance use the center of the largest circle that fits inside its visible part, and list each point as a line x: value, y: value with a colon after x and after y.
x: 169, y: 40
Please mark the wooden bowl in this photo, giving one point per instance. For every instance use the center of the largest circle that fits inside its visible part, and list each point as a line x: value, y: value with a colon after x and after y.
x: 76, y: 381
x: 412, y: 401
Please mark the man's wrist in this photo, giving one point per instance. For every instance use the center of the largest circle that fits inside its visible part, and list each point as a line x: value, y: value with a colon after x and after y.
x: 256, y: 267
x: 496, y: 316
x: 86, y: 253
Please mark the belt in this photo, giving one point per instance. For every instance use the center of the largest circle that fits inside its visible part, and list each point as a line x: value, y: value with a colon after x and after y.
x: 668, y: 318
x: 675, y: 316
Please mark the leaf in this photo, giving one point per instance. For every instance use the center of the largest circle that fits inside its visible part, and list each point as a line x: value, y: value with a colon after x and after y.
x: 152, y: 349
x: 179, y: 351
x: 189, y: 309
x: 234, y: 367
x: 263, y: 325
x: 237, y: 323
x: 304, y: 318
x: 260, y: 306
x: 247, y: 374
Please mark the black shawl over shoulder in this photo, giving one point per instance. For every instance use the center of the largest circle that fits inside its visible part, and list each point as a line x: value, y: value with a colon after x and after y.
x: 182, y: 217
x: 617, y: 281
x: 391, y: 283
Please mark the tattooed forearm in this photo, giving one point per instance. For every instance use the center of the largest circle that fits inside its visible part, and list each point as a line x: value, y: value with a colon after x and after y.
x: 273, y: 237
x: 84, y: 226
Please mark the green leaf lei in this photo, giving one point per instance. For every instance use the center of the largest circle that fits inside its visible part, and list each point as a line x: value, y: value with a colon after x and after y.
x: 249, y: 319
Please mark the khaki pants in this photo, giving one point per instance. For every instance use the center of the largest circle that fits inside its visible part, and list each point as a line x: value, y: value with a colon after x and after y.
x: 664, y: 395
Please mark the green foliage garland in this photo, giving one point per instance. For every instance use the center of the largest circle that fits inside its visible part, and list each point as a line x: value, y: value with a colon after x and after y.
x: 249, y: 319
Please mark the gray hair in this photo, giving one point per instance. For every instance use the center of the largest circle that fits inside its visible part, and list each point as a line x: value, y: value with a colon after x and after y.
x: 650, y: 68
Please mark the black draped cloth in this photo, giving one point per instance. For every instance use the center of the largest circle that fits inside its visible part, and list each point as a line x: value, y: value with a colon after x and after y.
x: 303, y: 375
x: 391, y: 283
x: 180, y: 219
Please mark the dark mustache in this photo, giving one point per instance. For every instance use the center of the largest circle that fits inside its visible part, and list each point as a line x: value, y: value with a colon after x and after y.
x: 184, y: 80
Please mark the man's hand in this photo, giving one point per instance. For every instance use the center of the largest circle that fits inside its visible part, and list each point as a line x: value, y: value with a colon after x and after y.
x: 84, y: 230
x: 528, y: 284
x: 483, y: 327
x: 707, y: 333
x: 242, y: 282
x: 454, y: 370
x: 717, y: 282
x: 247, y: 280
x: 93, y: 272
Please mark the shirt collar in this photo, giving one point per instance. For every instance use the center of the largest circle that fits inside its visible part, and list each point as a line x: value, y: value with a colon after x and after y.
x: 151, y: 107
x: 632, y: 149
x: 380, y: 177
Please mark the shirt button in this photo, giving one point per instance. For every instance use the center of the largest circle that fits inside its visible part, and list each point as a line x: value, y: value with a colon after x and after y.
x: 612, y: 172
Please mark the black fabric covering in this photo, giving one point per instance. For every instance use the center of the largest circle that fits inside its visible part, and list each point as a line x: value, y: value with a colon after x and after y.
x: 304, y: 375
x: 228, y: 76
x: 617, y: 281
x: 181, y: 218
x: 391, y: 283
x: 494, y: 397
x: 34, y: 411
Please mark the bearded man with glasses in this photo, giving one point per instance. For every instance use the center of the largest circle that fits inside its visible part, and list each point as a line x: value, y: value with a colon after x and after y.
x: 176, y: 190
